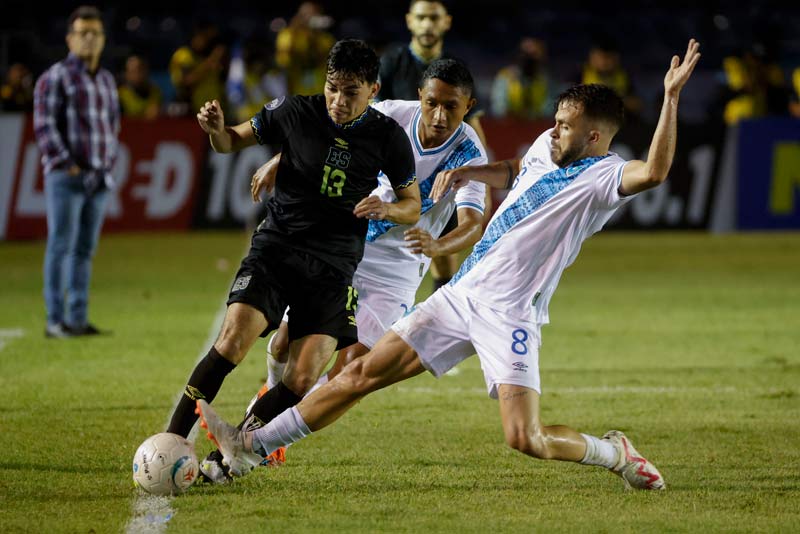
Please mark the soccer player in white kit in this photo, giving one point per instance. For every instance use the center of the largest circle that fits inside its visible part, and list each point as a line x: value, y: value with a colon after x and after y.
x: 397, y: 257
x: 497, y: 301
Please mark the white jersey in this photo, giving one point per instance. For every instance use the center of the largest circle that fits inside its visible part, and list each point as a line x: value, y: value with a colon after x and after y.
x: 387, y: 259
x: 538, y: 230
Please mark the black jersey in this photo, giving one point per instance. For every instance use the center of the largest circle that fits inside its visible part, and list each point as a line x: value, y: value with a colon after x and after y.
x: 324, y: 171
x: 400, y: 73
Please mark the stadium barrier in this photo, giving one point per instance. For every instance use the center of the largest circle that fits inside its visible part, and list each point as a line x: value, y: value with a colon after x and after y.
x: 168, y: 178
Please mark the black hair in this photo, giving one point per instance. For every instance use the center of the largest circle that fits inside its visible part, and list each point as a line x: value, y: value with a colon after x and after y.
x: 451, y: 71
x: 84, y: 12
x: 353, y: 57
x: 599, y: 102
x: 442, y: 2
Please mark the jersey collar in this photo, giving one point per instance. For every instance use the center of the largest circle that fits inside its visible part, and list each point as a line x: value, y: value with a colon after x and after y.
x: 431, y: 151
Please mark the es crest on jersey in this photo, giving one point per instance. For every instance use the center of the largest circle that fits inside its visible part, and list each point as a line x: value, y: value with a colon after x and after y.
x: 338, y: 158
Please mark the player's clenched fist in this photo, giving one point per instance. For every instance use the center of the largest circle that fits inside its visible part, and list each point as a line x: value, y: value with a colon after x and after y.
x: 210, y: 118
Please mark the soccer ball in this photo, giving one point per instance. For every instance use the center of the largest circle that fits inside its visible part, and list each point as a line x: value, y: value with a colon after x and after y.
x: 165, y: 464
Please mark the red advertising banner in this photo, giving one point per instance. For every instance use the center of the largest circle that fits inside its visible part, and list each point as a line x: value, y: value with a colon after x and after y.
x: 156, y: 174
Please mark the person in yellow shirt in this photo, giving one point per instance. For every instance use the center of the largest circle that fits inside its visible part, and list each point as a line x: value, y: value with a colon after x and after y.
x: 198, y: 70
x: 139, y: 96
x: 604, y: 66
x: 301, y: 49
x: 524, y: 89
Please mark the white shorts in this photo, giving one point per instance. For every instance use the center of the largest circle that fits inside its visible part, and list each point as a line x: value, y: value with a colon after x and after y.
x: 449, y: 327
x: 378, y: 308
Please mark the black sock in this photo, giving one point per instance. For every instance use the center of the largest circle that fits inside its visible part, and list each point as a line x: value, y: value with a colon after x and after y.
x: 439, y: 282
x: 271, y: 405
x: 204, y: 383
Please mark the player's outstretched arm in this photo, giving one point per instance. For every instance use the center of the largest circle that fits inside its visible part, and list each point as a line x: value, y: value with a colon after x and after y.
x: 640, y: 175
x: 499, y: 175
x: 223, y: 138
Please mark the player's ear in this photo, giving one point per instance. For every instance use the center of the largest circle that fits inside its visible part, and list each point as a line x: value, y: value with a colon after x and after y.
x: 374, y: 91
x: 470, y: 103
x: 448, y: 20
x: 409, y: 20
x: 594, y: 136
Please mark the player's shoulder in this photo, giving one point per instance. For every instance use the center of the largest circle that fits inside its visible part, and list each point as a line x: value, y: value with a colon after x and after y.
x: 399, y: 110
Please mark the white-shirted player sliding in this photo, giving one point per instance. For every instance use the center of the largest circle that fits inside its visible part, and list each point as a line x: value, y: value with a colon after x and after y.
x: 498, y: 300
x: 397, y: 257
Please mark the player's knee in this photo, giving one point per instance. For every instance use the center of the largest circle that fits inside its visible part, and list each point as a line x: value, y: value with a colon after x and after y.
x: 300, y: 383
x: 231, y: 346
x: 528, y: 441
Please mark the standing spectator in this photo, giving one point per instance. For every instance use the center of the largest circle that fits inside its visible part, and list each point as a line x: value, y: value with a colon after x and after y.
x: 16, y: 94
x: 524, y: 89
x: 198, y: 70
x: 401, y: 71
x: 76, y: 124
x: 302, y: 48
x: 139, y: 96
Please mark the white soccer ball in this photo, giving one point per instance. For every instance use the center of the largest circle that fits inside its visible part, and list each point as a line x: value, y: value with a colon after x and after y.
x: 165, y: 464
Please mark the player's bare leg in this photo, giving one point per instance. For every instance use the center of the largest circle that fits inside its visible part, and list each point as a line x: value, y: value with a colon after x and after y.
x: 519, y: 412
x: 391, y: 361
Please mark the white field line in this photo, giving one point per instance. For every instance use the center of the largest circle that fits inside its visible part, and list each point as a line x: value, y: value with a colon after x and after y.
x: 9, y: 333
x: 150, y: 513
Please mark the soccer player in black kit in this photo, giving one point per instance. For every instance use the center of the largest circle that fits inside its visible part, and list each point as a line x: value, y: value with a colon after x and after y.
x: 304, y: 253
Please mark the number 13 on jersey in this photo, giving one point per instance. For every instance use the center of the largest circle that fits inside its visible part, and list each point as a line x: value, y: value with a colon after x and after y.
x: 332, y: 181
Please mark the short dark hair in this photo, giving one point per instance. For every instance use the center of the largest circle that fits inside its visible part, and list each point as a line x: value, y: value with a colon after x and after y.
x: 354, y: 57
x: 599, y: 102
x: 84, y: 12
x: 451, y: 71
x: 442, y: 2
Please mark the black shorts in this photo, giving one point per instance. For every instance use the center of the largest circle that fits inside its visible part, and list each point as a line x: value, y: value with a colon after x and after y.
x: 321, y: 298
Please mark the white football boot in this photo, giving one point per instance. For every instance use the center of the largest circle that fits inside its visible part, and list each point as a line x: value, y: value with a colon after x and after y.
x: 229, y: 440
x: 635, y: 470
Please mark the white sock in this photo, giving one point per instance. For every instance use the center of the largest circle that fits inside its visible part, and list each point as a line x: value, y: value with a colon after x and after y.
x: 282, y: 431
x: 321, y: 382
x: 599, y: 452
x: 274, y: 367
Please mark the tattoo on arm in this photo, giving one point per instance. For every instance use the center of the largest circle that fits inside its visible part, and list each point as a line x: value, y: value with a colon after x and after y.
x: 512, y: 396
x: 510, y: 178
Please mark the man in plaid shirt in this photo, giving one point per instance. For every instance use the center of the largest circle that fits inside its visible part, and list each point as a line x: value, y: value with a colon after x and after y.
x: 76, y: 123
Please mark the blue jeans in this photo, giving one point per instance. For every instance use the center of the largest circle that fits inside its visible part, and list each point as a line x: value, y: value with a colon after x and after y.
x: 74, y: 219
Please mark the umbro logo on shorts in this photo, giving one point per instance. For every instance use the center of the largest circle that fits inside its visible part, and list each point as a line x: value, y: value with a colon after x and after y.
x: 520, y: 366
x: 241, y: 283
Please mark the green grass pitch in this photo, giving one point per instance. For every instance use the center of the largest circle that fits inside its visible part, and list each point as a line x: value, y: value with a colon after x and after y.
x: 689, y: 343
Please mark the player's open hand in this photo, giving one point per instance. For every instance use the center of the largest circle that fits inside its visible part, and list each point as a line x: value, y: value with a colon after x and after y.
x: 371, y: 208
x: 211, y: 119
x: 264, y: 178
x: 422, y: 242
x: 453, y: 178
x: 679, y: 73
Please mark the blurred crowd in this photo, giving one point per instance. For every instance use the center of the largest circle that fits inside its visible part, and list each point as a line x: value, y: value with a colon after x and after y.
x: 287, y: 57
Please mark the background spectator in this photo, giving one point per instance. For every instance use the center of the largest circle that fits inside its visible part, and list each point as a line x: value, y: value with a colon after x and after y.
x: 302, y: 47
x: 198, y: 69
x: 16, y: 94
x: 139, y: 96
x: 604, y: 65
x: 524, y: 88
